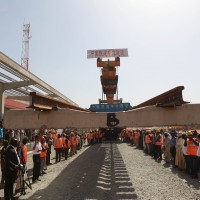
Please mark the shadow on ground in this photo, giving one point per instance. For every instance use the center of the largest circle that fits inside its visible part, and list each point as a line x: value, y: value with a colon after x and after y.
x: 99, y: 173
x: 182, y: 175
x: 186, y: 177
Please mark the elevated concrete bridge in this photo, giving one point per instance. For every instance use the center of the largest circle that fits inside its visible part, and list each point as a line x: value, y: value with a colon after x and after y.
x: 187, y: 115
x: 164, y: 110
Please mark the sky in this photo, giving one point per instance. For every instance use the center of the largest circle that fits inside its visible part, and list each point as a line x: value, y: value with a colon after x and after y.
x: 162, y: 38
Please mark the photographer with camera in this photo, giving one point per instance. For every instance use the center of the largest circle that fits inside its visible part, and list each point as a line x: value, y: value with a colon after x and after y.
x: 22, y: 154
x: 12, y: 165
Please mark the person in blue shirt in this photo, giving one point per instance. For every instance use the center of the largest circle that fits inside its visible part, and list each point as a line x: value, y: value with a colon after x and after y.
x: 173, y: 146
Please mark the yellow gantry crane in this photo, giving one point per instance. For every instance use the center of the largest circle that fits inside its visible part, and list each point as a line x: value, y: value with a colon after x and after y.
x: 109, y: 79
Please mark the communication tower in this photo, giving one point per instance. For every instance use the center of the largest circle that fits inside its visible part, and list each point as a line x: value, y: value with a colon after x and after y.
x: 25, y: 46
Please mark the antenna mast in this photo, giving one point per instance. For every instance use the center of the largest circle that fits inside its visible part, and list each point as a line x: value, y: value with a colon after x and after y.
x: 25, y: 46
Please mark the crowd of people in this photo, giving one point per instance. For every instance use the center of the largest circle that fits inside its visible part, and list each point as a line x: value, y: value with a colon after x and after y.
x: 179, y: 148
x: 94, y: 136
x: 14, y: 155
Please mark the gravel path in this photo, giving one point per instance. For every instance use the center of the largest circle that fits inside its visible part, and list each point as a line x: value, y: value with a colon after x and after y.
x: 157, y: 180
x: 112, y: 171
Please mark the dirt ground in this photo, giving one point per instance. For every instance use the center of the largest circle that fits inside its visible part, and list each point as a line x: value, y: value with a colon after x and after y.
x: 112, y: 171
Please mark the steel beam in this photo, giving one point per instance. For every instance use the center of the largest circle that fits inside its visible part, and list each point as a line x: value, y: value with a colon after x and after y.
x: 171, y: 98
x: 41, y: 102
x: 185, y: 115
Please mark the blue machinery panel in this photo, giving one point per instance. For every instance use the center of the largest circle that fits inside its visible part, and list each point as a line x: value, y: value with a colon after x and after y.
x: 116, y: 107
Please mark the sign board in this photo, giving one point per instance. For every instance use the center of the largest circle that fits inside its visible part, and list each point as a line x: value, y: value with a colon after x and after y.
x: 106, y: 53
x: 117, y: 107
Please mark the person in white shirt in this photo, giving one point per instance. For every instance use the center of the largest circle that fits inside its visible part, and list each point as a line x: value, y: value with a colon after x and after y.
x: 36, y: 147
